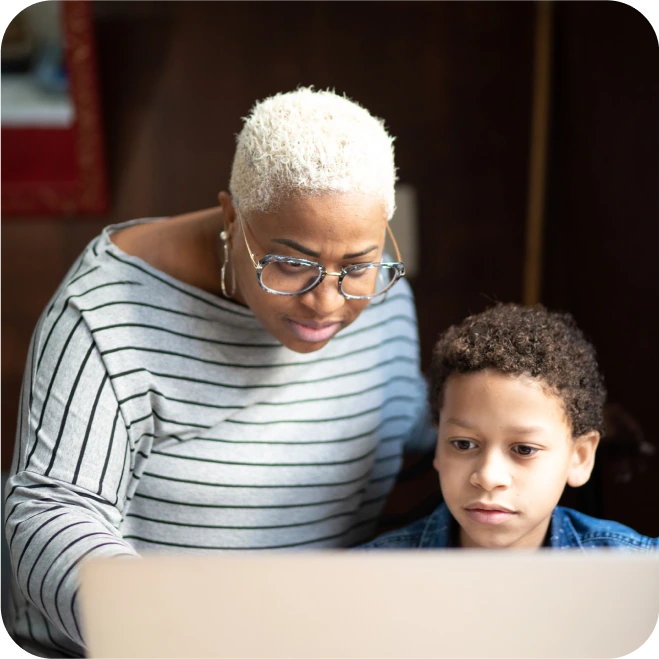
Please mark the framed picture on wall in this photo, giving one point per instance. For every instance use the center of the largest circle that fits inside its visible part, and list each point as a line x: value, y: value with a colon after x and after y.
x: 53, y: 160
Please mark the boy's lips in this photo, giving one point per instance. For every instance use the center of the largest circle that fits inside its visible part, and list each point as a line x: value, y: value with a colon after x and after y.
x: 481, y: 505
x: 314, y: 331
x: 489, y: 513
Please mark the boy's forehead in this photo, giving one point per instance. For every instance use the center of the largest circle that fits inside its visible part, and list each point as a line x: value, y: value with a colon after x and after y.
x: 497, y: 380
x: 510, y: 399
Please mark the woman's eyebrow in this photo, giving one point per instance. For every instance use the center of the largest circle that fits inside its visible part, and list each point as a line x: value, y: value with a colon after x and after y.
x: 354, y: 255
x: 309, y: 252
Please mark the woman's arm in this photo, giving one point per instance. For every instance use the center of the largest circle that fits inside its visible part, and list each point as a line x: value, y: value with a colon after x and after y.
x: 70, y: 475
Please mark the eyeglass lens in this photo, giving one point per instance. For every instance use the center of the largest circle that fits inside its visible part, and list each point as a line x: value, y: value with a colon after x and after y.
x: 287, y: 277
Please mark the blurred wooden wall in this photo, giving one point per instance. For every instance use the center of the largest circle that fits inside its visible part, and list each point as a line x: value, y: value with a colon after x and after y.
x: 453, y: 81
x: 602, y: 232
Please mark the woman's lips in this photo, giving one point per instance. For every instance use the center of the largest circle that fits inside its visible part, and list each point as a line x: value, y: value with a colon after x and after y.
x: 313, y: 332
x: 489, y: 516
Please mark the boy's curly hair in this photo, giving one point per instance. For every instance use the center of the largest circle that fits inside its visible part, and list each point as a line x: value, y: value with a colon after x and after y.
x: 519, y: 340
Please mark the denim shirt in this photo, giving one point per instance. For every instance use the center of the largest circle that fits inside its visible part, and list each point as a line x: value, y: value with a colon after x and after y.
x: 569, y: 529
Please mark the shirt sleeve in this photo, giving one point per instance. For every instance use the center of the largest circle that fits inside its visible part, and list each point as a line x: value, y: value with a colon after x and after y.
x: 422, y: 437
x: 70, y: 475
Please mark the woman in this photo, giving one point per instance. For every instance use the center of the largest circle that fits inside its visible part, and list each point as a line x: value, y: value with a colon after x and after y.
x: 239, y: 378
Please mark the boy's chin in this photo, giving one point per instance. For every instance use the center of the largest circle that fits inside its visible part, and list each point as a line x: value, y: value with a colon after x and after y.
x: 488, y: 539
x: 483, y: 543
x: 498, y: 540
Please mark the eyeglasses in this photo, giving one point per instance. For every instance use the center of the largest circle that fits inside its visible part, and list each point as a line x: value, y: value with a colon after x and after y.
x: 287, y: 275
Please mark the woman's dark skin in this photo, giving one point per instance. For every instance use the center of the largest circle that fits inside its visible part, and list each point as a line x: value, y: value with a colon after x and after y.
x: 185, y: 247
x: 330, y: 229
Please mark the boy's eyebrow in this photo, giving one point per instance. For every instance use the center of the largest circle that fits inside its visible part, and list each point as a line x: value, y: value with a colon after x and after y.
x: 524, y: 430
x: 309, y: 252
x: 457, y: 422
x: 517, y: 430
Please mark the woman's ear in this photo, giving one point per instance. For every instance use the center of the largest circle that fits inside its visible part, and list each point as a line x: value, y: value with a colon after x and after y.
x: 228, y: 211
x: 583, y: 458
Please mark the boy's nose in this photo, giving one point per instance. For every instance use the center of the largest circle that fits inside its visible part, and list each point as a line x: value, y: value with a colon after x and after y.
x: 491, y: 473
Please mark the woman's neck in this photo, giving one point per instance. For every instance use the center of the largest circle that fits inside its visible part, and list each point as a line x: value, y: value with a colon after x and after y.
x: 186, y: 247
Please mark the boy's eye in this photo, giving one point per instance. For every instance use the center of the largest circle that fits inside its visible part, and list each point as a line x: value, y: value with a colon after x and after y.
x: 525, y: 450
x: 463, y: 444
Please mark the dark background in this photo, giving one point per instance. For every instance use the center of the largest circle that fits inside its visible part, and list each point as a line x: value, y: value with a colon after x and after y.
x: 454, y: 82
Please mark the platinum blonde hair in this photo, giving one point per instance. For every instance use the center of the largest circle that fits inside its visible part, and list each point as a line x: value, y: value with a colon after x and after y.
x: 309, y: 142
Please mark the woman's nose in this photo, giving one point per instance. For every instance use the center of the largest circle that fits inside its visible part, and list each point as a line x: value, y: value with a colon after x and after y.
x: 491, y: 472
x: 325, y: 299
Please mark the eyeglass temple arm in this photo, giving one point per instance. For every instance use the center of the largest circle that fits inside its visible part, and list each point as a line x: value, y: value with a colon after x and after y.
x: 242, y: 227
x: 393, y: 240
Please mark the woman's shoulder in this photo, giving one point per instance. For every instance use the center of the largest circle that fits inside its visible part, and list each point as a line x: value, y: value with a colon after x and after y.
x: 109, y: 290
x: 153, y: 258
x: 101, y: 271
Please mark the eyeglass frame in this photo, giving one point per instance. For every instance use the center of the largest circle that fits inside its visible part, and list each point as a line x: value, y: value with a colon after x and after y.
x: 397, y: 266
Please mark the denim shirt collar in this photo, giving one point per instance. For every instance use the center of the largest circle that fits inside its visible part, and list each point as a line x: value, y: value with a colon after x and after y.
x: 562, y: 534
x: 441, y: 529
x: 438, y: 531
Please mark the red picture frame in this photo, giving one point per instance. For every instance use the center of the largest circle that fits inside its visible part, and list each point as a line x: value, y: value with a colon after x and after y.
x: 61, y: 170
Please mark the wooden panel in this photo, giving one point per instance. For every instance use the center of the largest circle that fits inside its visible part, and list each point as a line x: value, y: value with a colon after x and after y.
x: 602, y: 232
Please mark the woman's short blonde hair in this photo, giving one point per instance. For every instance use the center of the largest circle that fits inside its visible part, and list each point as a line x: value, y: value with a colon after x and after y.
x: 309, y: 142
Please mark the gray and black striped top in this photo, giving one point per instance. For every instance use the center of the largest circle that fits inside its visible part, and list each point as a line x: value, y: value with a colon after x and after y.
x: 158, y: 417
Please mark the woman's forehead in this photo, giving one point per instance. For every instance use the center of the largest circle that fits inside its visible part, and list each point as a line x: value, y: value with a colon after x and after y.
x: 336, y: 218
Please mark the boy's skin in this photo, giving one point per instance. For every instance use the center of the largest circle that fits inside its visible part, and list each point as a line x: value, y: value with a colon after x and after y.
x: 504, y: 441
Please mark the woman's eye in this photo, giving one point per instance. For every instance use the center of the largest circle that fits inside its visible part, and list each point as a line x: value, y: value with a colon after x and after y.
x: 525, y: 450
x: 463, y: 444
x: 355, y: 274
x: 288, y: 267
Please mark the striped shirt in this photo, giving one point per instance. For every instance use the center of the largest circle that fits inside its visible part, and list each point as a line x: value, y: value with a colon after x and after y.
x: 155, y: 416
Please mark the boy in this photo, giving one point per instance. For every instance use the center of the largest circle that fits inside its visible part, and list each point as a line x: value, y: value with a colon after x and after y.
x: 517, y: 397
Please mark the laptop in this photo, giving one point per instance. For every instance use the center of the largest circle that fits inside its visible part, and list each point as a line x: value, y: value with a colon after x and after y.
x: 444, y: 603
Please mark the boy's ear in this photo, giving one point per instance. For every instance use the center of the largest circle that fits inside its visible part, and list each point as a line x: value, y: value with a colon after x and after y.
x: 583, y: 458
